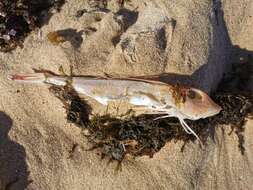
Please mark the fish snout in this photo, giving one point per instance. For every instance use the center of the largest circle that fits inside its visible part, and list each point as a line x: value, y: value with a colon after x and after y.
x: 212, y: 108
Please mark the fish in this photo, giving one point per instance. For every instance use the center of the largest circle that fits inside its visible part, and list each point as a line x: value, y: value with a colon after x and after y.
x: 154, y: 97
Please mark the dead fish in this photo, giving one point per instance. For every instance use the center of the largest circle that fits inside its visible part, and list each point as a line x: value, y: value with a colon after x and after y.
x: 153, y: 97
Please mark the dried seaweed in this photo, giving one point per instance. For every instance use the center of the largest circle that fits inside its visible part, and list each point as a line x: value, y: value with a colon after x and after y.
x: 236, y: 109
x: 71, y: 35
x: 19, y: 17
x: 77, y: 110
x: 138, y: 136
x: 55, y: 38
x: 236, y: 98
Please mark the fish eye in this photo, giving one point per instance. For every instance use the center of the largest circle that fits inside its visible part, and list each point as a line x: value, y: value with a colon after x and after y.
x: 193, y: 95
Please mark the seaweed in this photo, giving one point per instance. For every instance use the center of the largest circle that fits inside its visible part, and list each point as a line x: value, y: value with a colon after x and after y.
x: 103, y: 4
x: 98, y: 4
x: 71, y: 35
x: 236, y: 98
x: 236, y: 108
x: 55, y: 38
x: 138, y: 136
x: 19, y: 17
x: 77, y: 109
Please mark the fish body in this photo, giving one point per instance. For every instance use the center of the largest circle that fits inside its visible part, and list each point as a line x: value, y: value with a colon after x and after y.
x: 153, y: 96
x: 104, y: 90
x: 139, y: 93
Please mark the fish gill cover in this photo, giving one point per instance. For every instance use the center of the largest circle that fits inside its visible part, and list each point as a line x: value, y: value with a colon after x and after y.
x: 19, y: 17
x: 137, y: 136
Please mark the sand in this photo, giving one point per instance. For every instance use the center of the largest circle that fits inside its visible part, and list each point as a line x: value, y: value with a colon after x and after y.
x: 180, y: 38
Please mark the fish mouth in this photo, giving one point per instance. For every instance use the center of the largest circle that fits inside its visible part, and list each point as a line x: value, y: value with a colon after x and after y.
x: 212, y: 108
x: 212, y: 112
x: 216, y: 109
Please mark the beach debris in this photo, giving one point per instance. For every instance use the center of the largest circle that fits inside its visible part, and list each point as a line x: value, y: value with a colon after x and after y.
x: 236, y: 109
x: 235, y: 96
x: 80, y: 13
x: 112, y: 5
x: 152, y: 97
x: 96, y: 13
x: 98, y: 4
x: 19, y: 18
x: 71, y: 35
x: 89, y: 30
x: 55, y: 38
x: 104, y: 3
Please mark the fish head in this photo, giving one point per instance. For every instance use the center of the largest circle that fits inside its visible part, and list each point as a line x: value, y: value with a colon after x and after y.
x: 197, y: 104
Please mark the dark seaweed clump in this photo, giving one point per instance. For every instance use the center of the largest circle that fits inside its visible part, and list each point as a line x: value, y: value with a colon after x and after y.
x: 236, y: 98
x: 137, y: 136
x: 19, y: 17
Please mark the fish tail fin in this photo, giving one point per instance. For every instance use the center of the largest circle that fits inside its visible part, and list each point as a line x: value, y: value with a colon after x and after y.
x: 28, y: 78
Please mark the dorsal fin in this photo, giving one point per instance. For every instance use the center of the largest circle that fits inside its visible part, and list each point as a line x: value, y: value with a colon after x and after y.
x: 154, y: 79
x: 148, y: 79
x: 145, y: 80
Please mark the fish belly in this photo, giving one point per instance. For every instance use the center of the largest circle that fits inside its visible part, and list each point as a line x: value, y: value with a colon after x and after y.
x: 106, y: 90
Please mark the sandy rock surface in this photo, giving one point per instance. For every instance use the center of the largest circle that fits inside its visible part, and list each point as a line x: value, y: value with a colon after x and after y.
x: 185, y: 39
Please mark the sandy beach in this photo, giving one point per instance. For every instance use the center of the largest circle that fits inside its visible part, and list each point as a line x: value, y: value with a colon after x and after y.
x: 188, y: 41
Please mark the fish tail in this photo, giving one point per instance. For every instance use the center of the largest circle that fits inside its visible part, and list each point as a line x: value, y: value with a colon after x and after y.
x: 28, y: 78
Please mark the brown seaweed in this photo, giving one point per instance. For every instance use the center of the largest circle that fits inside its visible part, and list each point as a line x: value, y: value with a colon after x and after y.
x: 138, y: 136
x: 19, y: 17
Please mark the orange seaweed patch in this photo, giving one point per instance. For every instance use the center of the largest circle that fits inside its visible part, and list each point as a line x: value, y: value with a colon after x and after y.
x: 55, y: 38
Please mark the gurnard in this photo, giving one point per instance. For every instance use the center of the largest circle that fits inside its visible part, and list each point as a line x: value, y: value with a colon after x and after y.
x: 153, y: 97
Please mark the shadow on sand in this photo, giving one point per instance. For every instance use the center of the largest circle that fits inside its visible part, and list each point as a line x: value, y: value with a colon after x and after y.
x: 13, y: 167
